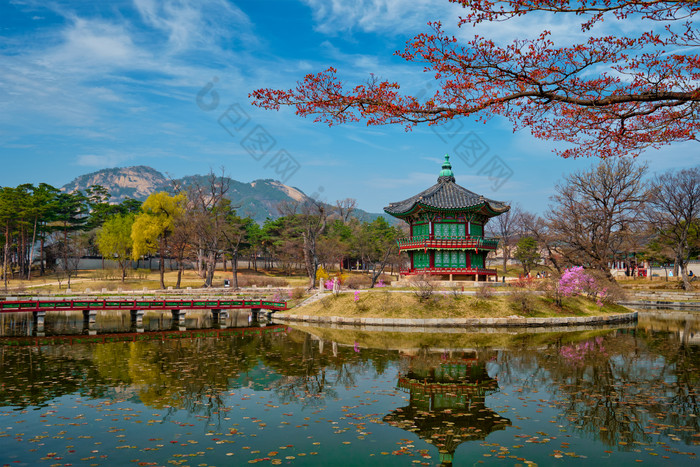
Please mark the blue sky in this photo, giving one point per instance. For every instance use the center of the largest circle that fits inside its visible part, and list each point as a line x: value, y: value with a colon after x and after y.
x: 88, y: 85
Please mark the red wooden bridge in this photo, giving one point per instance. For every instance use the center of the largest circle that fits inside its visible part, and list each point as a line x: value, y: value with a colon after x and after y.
x: 163, y: 304
x: 137, y: 307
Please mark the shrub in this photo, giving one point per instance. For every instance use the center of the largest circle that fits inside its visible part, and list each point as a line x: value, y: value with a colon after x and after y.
x: 298, y: 293
x: 484, y: 292
x: 260, y: 281
x: 385, y: 278
x: 456, y: 291
x: 522, y: 299
x: 321, y: 274
x: 357, y: 281
x: 341, y: 278
x: 551, y: 289
x: 423, y: 286
x: 110, y: 274
x: 385, y: 301
x: 142, y: 273
x: 593, y: 284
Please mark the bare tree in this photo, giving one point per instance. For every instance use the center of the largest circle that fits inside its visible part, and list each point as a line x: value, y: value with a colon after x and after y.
x: 312, y: 216
x: 536, y: 227
x: 345, y: 208
x: 235, y: 233
x: 505, y: 228
x: 209, y: 210
x: 673, y: 211
x: 593, y: 208
x: 180, y: 243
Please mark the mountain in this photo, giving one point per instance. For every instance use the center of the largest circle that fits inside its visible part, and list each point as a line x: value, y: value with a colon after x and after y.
x: 257, y: 199
x: 125, y: 182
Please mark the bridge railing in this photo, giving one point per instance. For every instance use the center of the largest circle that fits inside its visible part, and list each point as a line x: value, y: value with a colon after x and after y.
x: 18, y: 306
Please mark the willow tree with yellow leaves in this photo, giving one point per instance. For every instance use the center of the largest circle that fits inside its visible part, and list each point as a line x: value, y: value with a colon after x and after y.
x: 154, y: 225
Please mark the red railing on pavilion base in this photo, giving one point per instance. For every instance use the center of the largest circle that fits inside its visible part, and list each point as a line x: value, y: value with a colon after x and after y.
x: 452, y: 243
x: 460, y: 271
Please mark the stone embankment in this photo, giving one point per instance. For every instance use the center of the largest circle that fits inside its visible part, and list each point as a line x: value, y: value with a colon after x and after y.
x: 662, y: 299
x: 463, y: 322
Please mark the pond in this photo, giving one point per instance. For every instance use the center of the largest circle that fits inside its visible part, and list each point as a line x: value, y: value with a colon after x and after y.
x: 295, y: 395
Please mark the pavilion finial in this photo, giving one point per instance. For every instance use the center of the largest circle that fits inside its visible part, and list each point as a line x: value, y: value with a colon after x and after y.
x: 446, y: 172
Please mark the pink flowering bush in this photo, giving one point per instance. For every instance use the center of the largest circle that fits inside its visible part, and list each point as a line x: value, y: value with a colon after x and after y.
x: 328, y: 285
x: 575, y: 281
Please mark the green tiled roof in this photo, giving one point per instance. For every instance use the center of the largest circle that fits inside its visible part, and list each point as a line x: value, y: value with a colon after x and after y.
x: 446, y: 195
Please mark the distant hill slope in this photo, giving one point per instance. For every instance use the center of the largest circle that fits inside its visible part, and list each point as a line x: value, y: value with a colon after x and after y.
x: 124, y: 182
x: 257, y: 199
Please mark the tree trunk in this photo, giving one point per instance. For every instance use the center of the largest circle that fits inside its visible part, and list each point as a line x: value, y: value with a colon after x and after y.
x: 6, y: 253
x: 180, y: 268
x: 209, y: 270
x: 65, y: 254
x: 161, y: 265
x: 382, y: 265
x: 42, y: 271
x: 234, y: 269
x: 310, y: 261
x: 31, y: 251
x: 682, y: 263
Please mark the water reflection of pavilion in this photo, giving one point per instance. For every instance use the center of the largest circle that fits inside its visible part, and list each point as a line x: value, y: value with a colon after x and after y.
x: 447, y: 401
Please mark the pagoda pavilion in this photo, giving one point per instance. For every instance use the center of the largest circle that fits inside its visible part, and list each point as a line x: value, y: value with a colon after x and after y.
x: 446, y: 236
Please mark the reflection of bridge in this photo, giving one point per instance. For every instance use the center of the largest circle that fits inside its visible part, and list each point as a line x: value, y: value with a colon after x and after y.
x: 178, y: 308
x: 140, y: 336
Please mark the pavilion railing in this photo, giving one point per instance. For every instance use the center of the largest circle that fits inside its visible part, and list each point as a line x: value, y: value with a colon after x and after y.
x: 480, y: 271
x: 423, y: 241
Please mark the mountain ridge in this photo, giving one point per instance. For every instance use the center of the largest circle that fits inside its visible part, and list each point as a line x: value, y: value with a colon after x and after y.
x: 258, y: 199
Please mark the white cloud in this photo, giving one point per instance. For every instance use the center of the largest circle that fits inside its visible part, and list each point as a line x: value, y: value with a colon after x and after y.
x: 389, y: 17
x: 192, y: 24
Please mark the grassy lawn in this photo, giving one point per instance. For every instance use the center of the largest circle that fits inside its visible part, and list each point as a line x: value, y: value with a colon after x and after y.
x: 385, y: 304
x: 95, y: 281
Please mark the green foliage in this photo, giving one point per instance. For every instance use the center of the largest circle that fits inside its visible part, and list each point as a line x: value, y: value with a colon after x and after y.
x: 527, y: 253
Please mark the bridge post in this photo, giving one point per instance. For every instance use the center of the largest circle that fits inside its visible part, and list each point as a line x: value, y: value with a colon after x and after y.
x: 179, y: 316
x: 136, y: 317
x: 219, y: 315
x: 89, y: 316
x: 39, y: 317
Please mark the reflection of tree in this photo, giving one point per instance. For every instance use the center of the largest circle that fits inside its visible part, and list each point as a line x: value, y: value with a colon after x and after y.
x: 33, y: 376
x: 447, y: 401
x: 619, y: 388
x: 189, y: 374
x: 311, y: 375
